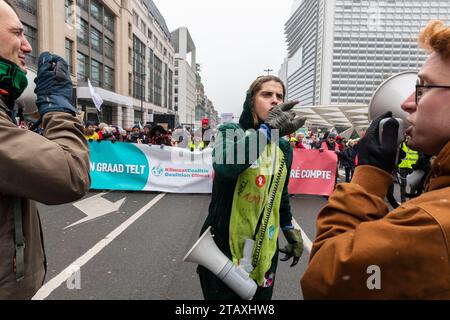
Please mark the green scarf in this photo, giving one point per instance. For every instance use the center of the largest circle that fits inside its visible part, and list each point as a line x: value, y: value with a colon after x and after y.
x: 13, y: 82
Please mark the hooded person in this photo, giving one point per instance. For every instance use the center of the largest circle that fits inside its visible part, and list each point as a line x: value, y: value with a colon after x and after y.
x: 250, y: 197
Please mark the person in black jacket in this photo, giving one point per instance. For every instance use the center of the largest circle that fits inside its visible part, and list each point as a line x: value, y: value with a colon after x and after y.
x: 348, y: 160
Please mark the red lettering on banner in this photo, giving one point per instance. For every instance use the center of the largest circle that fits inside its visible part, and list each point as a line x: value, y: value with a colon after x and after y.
x: 313, y: 172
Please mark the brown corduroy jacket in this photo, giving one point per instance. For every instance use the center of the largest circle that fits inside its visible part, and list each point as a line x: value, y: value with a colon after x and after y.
x: 364, y: 251
x: 53, y: 169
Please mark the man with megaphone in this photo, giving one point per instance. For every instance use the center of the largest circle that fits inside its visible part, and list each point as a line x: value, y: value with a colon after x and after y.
x: 363, y: 250
x: 52, y: 169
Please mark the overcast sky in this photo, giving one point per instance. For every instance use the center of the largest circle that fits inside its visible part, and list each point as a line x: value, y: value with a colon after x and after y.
x: 236, y: 41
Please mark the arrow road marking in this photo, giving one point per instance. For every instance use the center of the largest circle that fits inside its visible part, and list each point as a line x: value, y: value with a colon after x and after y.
x: 95, y: 207
x: 67, y: 273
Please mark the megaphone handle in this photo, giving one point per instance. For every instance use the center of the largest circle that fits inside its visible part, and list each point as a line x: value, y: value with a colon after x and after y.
x: 400, y: 136
x: 401, y: 130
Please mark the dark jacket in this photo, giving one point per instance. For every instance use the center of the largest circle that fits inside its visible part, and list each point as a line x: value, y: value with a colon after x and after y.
x: 52, y: 169
x: 348, y: 158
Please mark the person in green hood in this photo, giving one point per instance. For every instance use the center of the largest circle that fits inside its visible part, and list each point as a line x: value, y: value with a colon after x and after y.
x: 250, y: 197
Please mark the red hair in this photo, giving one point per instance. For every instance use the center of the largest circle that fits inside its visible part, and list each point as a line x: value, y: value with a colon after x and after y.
x: 435, y: 37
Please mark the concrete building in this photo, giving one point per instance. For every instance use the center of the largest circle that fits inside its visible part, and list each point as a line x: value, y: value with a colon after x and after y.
x: 339, y: 51
x: 122, y: 46
x: 152, y: 75
x: 185, y: 76
x: 89, y: 35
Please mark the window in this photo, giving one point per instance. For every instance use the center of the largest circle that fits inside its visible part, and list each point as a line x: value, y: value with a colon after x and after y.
x: 166, y: 87
x: 83, y: 4
x: 28, y: 5
x: 31, y: 35
x: 69, y: 12
x: 158, y: 81
x: 109, y: 78
x: 135, y: 19
x: 138, y: 116
x: 96, y: 11
x: 130, y: 84
x: 130, y: 33
x: 69, y: 55
x: 82, y: 67
x: 97, y: 73
x: 170, y: 89
x: 83, y: 32
x: 130, y: 56
x: 96, y: 40
x: 108, y: 20
x: 143, y: 26
x: 138, y: 69
x: 109, y: 48
x: 150, y: 78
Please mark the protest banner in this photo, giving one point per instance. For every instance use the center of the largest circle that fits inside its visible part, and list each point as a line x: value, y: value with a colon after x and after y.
x: 313, y: 172
x: 139, y: 167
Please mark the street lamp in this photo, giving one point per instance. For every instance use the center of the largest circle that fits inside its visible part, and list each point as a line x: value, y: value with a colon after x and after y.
x: 268, y: 71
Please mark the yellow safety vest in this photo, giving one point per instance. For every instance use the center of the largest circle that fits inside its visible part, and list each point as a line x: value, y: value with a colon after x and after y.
x: 410, y: 159
x: 200, y: 146
x: 258, y: 193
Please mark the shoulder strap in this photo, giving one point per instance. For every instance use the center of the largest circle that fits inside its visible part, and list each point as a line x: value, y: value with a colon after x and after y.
x: 18, y: 235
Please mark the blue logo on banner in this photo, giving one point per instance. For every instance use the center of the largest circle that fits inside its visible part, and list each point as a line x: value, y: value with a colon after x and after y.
x: 118, y: 166
x: 157, y: 171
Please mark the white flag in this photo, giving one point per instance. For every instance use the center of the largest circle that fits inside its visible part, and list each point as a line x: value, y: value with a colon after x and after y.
x: 98, y: 101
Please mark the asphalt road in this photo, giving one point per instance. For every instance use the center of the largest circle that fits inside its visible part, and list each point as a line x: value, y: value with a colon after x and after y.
x: 142, y: 260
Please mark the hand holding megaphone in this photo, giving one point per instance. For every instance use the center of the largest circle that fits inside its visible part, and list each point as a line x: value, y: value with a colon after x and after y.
x: 381, y: 153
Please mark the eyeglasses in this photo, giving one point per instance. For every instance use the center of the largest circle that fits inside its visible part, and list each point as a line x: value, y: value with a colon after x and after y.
x: 422, y: 88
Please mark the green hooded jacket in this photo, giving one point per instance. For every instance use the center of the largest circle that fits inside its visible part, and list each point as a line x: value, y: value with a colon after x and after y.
x: 225, y: 189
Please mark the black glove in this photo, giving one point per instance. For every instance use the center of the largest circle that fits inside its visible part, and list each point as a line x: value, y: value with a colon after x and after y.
x: 371, y: 152
x: 284, y: 119
x: 53, y: 85
x: 294, y: 248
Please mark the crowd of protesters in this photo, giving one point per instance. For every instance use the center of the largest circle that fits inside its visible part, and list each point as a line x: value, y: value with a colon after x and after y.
x: 345, y: 149
x: 195, y: 140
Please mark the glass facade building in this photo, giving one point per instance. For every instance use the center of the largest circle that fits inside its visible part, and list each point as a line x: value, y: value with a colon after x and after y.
x: 339, y: 51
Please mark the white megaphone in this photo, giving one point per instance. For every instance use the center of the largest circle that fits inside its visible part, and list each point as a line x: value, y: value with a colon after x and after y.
x: 206, y: 253
x: 27, y: 101
x: 389, y: 96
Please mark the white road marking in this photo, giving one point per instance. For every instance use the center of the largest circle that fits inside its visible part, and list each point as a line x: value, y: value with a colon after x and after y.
x: 67, y: 273
x: 307, y: 243
x: 96, y: 207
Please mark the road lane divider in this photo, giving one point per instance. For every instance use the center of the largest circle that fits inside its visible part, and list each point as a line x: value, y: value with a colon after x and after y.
x: 68, y: 273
